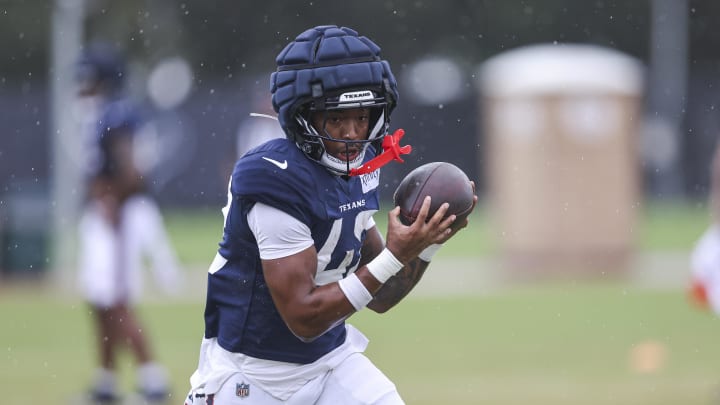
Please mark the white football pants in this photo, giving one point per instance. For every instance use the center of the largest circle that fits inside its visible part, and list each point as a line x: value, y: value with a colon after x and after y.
x: 356, y: 381
x: 110, y: 260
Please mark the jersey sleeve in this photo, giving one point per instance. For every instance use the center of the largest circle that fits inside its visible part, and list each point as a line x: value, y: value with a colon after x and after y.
x: 278, y: 234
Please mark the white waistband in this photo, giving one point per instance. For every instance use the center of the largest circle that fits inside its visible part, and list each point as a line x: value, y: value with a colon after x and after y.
x: 277, y: 378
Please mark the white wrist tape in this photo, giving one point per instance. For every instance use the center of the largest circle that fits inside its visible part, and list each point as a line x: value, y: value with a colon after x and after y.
x: 384, y: 266
x: 355, y: 291
x: 427, y: 254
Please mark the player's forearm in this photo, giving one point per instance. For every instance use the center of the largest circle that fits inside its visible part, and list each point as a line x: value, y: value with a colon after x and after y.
x: 398, y: 286
x: 320, y: 310
x: 326, y: 306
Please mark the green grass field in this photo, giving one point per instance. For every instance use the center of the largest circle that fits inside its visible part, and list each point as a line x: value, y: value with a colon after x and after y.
x: 552, y: 342
x: 662, y: 227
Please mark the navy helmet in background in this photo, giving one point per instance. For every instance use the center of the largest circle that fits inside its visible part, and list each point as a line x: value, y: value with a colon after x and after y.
x: 100, y: 68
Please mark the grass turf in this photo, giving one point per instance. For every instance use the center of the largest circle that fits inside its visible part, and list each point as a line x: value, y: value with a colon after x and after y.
x: 554, y: 343
x: 661, y: 227
x: 549, y: 343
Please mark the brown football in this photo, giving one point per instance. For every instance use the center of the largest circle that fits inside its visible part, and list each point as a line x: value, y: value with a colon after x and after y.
x: 443, y: 182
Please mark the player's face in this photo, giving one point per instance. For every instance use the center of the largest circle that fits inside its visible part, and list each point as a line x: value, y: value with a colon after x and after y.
x: 348, y: 125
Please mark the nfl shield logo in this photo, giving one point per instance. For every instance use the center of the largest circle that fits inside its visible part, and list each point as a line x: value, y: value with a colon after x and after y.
x: 242, y: 390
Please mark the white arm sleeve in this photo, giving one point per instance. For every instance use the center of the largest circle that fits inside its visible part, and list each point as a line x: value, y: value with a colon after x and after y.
x: 278, y: 233
x: 370, y: 223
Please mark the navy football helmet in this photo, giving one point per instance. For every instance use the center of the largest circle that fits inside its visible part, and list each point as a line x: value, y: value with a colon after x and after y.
x: 331, y: 68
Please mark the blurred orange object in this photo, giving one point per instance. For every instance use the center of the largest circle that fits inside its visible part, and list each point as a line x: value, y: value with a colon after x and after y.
x: 698, y: 295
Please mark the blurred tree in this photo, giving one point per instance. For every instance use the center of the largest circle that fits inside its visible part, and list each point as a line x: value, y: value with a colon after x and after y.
x: 226, y: 40
x: 24, y: 30
x: 226, y: 36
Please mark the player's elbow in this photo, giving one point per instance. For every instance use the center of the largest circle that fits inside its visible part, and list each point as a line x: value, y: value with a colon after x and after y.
x: 380, y: 307
x: 308, y: 326
x: 304, y: 334
x: 309, y: 322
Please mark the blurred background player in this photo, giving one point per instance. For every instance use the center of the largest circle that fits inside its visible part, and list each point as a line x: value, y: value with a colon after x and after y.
x: 120, y: 225
x: 300, y: 251
x: 705, y: 258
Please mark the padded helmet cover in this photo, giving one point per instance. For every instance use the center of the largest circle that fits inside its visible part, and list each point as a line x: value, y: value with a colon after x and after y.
x: 326, y: 59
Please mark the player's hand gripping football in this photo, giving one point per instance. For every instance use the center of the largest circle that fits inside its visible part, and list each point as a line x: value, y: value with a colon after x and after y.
x: 406, y: 242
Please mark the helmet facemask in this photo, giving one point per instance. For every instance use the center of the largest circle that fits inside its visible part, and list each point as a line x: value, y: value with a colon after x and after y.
x: 311, y: 139
x: 332, y: 68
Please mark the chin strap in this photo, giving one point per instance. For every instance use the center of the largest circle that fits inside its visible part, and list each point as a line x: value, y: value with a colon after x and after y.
x: 391, y: 151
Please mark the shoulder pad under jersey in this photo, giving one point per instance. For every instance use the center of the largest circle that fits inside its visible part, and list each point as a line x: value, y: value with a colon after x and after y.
x: 278, y: 174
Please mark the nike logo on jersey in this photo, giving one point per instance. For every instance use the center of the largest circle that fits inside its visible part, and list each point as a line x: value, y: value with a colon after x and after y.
x: 283, y: 165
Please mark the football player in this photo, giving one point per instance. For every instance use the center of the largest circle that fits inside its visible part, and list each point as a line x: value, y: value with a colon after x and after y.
x: 119, y: 224
x: 704, y: 289
x: 300, y: 251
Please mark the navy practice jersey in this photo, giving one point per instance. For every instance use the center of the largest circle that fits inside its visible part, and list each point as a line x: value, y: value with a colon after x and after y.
x: 239, y: 311
x: 118, y: 123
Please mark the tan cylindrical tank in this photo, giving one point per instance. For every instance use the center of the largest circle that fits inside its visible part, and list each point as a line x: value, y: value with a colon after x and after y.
x: 560, y: 131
